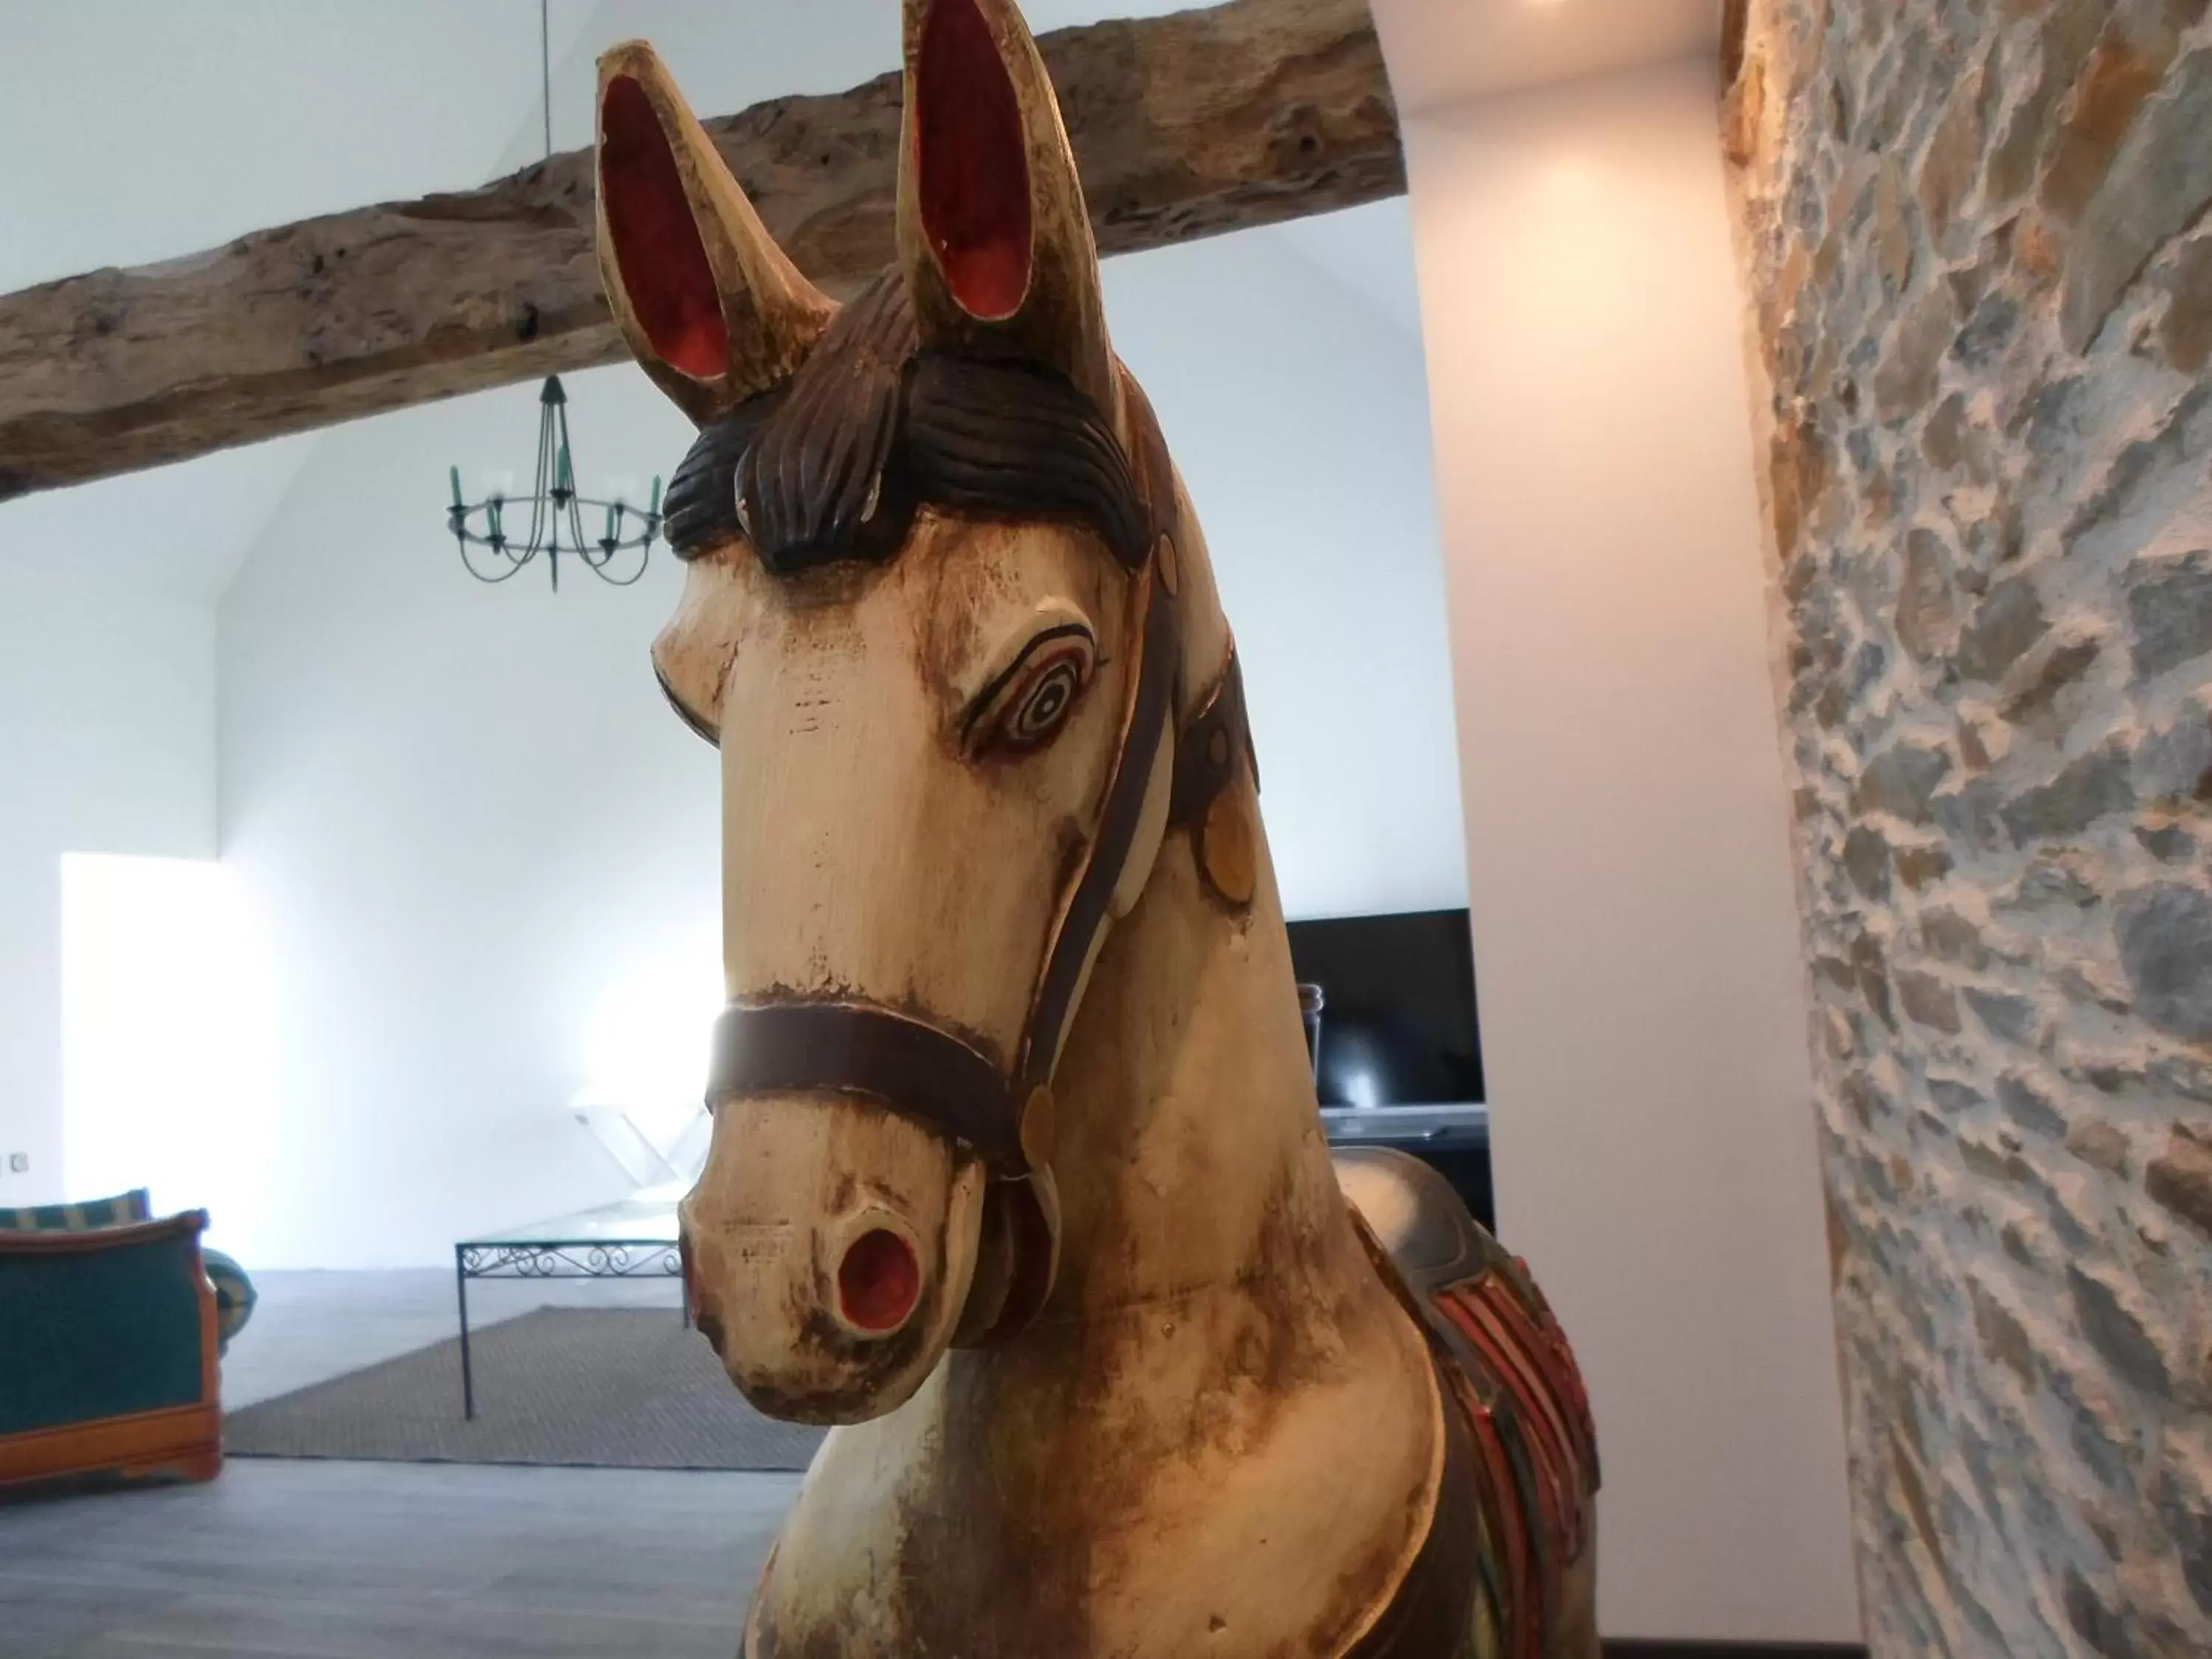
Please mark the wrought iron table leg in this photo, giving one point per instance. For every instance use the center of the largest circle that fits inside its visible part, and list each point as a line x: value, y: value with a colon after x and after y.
x: 468, y: 1378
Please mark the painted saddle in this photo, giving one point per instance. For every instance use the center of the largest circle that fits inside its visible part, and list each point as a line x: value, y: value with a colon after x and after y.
x: 1523, y: 1418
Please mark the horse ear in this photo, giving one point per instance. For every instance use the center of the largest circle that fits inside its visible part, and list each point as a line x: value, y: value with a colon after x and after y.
x: 992, y: 228
x: 711, y: 307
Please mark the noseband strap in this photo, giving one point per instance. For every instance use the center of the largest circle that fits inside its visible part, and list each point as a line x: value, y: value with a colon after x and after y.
x: 872, y: 1053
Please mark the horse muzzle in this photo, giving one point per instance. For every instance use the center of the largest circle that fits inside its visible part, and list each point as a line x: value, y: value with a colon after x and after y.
x: 829, y: 1248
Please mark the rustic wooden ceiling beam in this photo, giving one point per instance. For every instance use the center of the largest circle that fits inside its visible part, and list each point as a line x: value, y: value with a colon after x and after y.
x: 1246, y: 114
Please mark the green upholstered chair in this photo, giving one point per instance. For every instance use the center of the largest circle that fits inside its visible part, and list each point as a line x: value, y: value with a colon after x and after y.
x: 235, y: 1295
x: 109, y: 1363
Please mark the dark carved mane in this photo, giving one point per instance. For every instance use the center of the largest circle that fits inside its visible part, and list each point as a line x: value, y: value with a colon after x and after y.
x: 834, y: 463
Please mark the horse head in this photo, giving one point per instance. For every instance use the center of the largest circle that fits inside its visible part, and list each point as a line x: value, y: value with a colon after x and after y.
x: 946, y: 616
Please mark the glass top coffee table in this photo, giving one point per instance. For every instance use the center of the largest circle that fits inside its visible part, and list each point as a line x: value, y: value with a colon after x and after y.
x: 632, y: 1238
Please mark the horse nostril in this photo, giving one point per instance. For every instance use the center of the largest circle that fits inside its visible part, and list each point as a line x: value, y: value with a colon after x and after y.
x: 879, y: 1281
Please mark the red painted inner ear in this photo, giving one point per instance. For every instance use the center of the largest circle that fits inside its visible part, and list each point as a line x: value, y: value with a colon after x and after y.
x: 974, y: 164
x: 657, y: 247
x: 879, y: 1281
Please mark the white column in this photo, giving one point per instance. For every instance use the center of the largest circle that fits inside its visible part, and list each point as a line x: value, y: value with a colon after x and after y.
x: 1642, y: 978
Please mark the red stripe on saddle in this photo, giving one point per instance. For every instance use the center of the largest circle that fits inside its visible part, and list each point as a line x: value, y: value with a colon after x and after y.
x: 1562, y: 1369
x: 1536, y: 1442
x: 1521, y: 1621
x: 1535, y: 1384
x: 1530, y: 1467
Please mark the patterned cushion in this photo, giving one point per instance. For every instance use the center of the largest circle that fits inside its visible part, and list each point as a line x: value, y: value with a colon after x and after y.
x: 233, y: 1295
x: 121, y: 1210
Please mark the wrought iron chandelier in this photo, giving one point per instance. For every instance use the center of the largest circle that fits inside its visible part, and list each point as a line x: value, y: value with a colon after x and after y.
x: 491, y: 551
x: 556, y: 516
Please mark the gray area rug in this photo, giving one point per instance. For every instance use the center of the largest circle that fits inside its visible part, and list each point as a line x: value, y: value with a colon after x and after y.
x: 614, y: 1388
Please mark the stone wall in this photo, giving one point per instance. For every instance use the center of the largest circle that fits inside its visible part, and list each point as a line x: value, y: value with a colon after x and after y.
x: 1981, y: 274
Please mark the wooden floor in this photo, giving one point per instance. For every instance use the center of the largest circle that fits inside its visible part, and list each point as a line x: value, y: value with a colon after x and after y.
x: 377, y: 1561
x: 313, y: 1561
x: 284, y: 1560
x: 325, y: 1560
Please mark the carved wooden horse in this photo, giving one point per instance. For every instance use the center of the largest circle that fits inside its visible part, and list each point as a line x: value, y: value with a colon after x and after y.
x: 1016, y: 1170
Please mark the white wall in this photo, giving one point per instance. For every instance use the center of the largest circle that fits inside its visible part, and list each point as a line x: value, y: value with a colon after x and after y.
x: 482, y: 851
x: 107, y: 744
x: 1300, y: 421
x: 164, y: 1034
x: 1635, y: 926
x: 464, y: 824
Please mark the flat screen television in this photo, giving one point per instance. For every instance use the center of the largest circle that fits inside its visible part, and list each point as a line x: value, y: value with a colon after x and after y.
x: 1398, y: 1022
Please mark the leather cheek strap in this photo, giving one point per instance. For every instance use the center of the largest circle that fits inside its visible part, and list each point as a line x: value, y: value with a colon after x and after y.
x: 1084, y: 912
x: 1029, y: 1221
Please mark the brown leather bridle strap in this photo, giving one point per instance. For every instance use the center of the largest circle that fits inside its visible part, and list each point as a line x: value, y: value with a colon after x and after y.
x: 1084, y: 913
x: 1158, y: 633
x: 872, y: 1053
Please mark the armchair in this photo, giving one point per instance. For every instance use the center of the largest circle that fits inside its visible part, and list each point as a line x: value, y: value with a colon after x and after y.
x: 108, y: 1345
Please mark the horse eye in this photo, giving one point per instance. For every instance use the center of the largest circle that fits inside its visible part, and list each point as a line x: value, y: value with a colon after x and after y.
x: 1045, y: 704
x: 1027, y: 704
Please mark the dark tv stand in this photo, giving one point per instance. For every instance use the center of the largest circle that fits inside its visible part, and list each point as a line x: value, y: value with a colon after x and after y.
x: 1454, y: 1140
